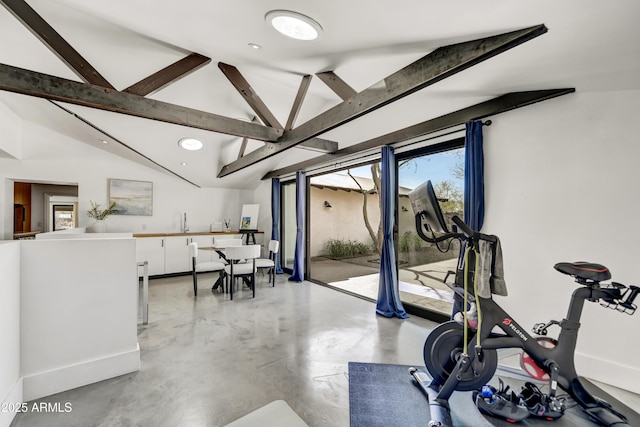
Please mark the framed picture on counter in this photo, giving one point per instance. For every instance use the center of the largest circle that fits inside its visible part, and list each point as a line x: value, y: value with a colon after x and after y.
x: 132, y: 197
x: 249, y: 217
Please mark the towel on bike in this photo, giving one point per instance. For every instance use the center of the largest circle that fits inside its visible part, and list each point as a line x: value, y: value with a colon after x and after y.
x: 490, y: 269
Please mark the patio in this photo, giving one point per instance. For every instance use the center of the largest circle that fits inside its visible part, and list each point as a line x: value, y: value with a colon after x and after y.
x: 420, y: 285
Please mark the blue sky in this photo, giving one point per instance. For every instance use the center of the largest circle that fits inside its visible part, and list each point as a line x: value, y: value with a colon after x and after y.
x: 436, y: 167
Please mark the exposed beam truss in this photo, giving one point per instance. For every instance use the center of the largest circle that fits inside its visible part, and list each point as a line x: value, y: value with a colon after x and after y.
x: 19, y: 80
x: 168, y: 75
x: 438, y: 65
x: 297, y: 102
x: 98, y: 93
x: 336, y: 84
x: 262, y: 111
x: 245, y: 140
x: 249, y: 95
x: 501, y: 104
x: 54, y: 41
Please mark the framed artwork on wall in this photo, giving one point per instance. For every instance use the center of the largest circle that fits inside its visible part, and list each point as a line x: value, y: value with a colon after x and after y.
x: 132, y: 197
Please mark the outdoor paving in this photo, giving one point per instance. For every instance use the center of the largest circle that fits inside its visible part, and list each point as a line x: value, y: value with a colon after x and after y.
x: 420, y: 286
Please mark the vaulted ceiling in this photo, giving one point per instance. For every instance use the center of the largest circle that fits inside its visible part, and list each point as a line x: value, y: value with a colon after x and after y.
x: 380, y: 72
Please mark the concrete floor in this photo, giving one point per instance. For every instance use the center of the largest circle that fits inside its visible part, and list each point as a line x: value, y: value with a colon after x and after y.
x: 207, y: 361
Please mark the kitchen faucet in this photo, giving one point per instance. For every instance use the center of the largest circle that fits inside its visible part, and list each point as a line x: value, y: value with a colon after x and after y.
x: 185, y: 227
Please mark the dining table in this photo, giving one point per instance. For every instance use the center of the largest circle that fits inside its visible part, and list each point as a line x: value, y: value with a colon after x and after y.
x: 220, y: 252
x: 219, y: 281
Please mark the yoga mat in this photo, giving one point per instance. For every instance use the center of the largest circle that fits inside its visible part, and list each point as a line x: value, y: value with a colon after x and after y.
x: 382, y: 395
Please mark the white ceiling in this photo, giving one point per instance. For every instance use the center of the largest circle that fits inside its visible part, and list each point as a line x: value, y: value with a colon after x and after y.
x: 591, y: 45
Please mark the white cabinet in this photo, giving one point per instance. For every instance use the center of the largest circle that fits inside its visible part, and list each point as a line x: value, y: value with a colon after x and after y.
x: 205, y: 241
x: 176, y: 254
x: 170, y: 254
x: 151, y: 249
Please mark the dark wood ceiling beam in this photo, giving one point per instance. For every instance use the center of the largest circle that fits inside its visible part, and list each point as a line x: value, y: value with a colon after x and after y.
x: 438, y: 65
x: 245, y: 140
x: 336, y: 84
x: 249, y: 95
x: 316, y: 144
x: 297, y: 102
x: 243, y: 147
x: 59, y: 46
x: 168, y: 75
x: 319, y: 144
x: 19, y: 80
x: 501, y: 104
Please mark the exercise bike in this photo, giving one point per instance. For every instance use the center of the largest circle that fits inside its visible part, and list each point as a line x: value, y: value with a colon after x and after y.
x: 453, y: 368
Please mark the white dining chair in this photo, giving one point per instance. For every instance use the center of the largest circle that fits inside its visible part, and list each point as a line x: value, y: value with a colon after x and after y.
x: 270, y: 263
x: 201, y: 267
x: 235, y: 268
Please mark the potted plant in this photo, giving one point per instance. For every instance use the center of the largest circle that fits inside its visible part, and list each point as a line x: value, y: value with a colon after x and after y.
x: 100, y: 215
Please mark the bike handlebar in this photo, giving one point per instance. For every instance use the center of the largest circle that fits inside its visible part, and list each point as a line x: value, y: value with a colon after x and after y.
x: 433, y: 238
x: 470, y: 233
x: 466, y: 230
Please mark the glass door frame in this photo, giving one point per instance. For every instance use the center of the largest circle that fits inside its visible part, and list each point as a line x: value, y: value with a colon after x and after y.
x: 449, y: 145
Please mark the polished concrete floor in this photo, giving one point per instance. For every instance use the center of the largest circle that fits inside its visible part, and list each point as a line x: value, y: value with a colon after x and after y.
x: 208, y: 361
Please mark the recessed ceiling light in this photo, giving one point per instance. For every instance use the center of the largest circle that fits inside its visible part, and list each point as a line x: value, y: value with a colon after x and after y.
x: 190, y: 144
x: 103, y: 141
x: 183, y: 164
x: 255, y: 46
x: 294, y: 24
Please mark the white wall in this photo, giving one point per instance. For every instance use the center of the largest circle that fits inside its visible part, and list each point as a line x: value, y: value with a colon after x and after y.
x: 262, y: 196
x: 561, y: 185
x: 51, y: 157
x: 78, y: 313
x: 10, y: 379
x: 10, y: 133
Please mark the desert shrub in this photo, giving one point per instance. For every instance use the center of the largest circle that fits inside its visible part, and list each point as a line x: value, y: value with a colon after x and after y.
x: 338, y: 248
x: 409, y: 241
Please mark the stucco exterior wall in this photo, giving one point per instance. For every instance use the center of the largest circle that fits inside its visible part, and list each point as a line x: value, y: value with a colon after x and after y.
x: 344, y: 220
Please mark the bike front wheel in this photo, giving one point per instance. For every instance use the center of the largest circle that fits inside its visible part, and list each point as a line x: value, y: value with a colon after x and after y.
x: 442, y: 350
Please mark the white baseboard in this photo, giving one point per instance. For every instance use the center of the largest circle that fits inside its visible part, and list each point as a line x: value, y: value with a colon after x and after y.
x: 605, y: 371
x: 13, y: 398
x: 69, y: 377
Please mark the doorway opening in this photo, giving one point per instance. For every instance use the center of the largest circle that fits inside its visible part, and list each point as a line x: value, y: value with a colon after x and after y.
x: 43, y: 207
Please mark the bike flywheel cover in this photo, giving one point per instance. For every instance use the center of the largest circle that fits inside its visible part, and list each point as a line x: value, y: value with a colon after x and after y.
x: 530, y: 366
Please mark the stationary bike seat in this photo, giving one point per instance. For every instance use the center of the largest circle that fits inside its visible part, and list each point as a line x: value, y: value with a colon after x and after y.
x: 584, y: 270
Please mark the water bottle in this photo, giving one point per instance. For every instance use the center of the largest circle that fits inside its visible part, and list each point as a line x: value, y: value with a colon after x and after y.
x: 488, y: 394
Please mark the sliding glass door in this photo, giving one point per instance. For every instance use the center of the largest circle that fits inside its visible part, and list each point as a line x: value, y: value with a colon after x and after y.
x: 423, y: 266
x: 344, y: 220
x: 343, y: 228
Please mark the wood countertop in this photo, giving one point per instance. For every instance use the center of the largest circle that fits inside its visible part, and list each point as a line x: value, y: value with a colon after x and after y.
x: 25, y: 235
x: 201, y: 233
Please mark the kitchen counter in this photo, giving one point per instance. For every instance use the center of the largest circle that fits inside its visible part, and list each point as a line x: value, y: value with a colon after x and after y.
x: 28, y: 235
x: 200, y: 233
